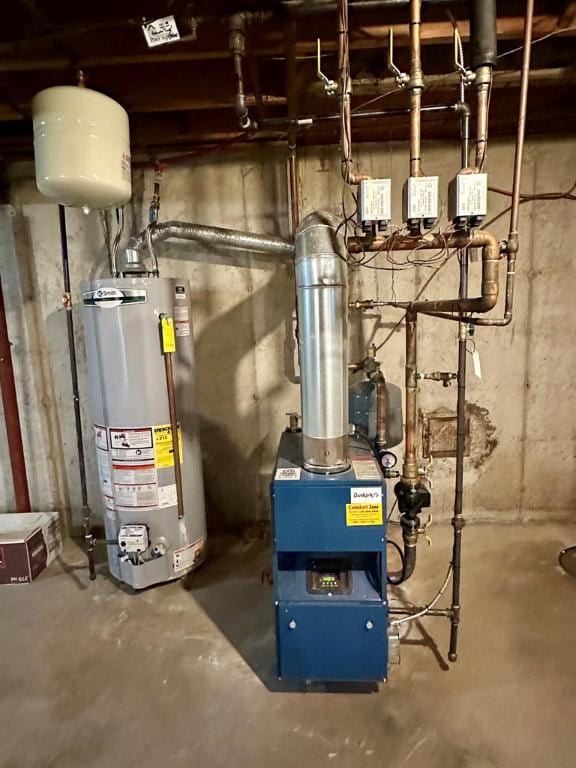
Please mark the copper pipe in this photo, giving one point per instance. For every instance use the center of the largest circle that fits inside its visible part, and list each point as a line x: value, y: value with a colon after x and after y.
x: 490, y: 268
x: 345, y: 80
x: 292, y: 93
x: 514, y: 213
x: 512, y: 243
x: 483, y: 86
x: 410, y: 467
x: 294, y: 198
x: 416, y: 86
x: 381, y: 408
x: 174, y: 429
x: 11, y: 415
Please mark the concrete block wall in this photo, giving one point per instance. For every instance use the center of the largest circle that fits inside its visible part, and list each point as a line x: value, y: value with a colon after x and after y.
x: 523, y: 456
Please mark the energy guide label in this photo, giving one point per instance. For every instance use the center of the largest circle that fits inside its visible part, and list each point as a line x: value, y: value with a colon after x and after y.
x: 163, y: 448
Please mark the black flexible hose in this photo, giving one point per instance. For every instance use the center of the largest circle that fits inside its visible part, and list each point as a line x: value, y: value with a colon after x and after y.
x: 398, y: 577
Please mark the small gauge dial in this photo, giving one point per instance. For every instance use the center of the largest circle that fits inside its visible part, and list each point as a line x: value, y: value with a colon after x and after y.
x: 388, y: 459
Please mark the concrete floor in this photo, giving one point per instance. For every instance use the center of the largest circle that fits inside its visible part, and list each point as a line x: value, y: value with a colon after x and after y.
x: 94, y: 676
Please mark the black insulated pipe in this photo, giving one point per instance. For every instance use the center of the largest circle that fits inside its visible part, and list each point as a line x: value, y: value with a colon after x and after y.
x: 483, y: 36
x: 88, y: 538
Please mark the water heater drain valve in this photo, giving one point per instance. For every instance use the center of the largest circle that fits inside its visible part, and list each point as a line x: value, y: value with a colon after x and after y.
x: 133, y: 538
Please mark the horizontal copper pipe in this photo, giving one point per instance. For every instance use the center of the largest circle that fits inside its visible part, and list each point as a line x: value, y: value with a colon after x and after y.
x: 490, y: 268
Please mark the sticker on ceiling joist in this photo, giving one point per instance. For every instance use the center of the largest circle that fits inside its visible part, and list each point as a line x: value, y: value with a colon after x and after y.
x: 161, y: 31
x: 364, y: 514
x: 288, y: 473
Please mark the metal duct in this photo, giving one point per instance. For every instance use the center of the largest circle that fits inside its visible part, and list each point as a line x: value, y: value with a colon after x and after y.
x: 322, y: 285
x: 230, y: 238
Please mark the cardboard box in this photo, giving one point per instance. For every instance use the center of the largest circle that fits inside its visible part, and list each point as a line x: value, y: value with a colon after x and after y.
x: 29, y: 542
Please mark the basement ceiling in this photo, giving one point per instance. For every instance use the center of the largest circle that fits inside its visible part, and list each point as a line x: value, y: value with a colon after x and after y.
x: 180, y: 96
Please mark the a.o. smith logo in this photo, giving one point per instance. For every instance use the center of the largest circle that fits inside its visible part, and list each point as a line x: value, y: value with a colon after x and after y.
x: 108, y: 297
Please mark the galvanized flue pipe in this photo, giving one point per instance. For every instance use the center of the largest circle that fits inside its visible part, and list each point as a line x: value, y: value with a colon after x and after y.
x: 322, y: 287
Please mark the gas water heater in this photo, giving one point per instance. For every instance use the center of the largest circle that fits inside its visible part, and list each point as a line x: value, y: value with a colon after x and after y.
x: 140, y: 354
x: 153, y: 533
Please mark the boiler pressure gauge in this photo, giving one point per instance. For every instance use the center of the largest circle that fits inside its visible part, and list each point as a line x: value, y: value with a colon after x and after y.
x: 388, y: 460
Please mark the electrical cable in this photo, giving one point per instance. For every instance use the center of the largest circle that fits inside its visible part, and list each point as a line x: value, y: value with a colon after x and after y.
x: 529, y: 199
x: 538, y: 40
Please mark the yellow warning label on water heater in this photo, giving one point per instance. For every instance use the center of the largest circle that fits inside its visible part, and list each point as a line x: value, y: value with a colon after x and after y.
x: 163, y: 450
x: 364, y: 514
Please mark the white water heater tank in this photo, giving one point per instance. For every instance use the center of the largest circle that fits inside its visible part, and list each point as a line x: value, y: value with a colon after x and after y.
x: 81, y: 147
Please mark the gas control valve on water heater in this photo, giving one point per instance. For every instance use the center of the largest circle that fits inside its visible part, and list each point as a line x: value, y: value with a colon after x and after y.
x: 154, y: 533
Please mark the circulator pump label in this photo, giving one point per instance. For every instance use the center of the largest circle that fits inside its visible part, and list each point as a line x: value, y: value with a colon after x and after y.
x: 364, y: 514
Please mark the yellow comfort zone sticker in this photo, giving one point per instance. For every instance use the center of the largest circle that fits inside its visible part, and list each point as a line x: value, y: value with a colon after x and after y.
x: 364, y: 514
x: 163, y: 451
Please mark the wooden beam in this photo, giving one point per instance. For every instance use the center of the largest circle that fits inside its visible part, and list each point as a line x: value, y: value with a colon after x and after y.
x: 272, y: 44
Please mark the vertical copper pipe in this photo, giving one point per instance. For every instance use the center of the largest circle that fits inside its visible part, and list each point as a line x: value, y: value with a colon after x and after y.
x: 292, y: 161
x: 345, y: 84
x: 512, y: 242
x: 410, y: 468
x: 483, y: 86
x: 174, y: 430
x: 514, y: 213
x: 293, y: 189
x: 416, y: 87
x: 381, y: 410
x: 11, y: 415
